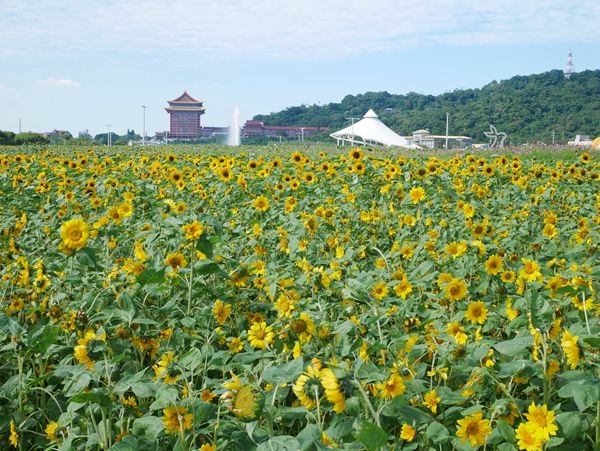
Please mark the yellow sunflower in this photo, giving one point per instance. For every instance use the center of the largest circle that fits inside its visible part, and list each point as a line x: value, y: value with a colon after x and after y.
x: 177, y: 419
x: 474, y: 428
x: 74, y: 234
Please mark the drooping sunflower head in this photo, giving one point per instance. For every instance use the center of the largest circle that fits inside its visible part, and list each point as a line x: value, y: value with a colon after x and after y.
x: 247, y: 403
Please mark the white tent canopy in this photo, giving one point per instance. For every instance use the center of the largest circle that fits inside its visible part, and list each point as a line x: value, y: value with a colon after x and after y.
x: 371, y: 131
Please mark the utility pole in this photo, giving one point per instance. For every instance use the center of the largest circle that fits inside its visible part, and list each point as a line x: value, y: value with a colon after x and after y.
x: 447, y: 118
x: 19, y: 126
x: 302, y: 134
x: 108, y: 126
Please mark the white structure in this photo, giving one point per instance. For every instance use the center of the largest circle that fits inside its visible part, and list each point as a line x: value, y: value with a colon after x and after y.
x: 371, y: 131
x: 581, y: 141
x: 569, y: 68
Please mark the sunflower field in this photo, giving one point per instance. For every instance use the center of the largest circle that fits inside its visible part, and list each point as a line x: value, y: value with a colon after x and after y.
x: 283, y: 299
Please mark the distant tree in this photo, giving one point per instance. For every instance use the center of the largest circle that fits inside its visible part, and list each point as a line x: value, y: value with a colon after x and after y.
x: 30, y: 138
x: 7, y: 138
x: 527, y: 108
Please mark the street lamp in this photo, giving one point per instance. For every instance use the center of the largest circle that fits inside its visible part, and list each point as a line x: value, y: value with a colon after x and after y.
x: 108, y: 126
x: 144, y: 126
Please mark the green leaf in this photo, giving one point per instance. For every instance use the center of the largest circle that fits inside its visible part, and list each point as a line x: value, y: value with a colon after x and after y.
x: 593, y: 341
x: 127, y: 443
x: 515, y: 346
x: 371, y: 435
x: 205, y: 246
x: 42, y: 339
x: 398, y: 408
x: 308, y: 437
x: 585, y: 392
x: 209, y: 268
x: 150, y: 275
x: 285, y: 373
x: 279, y: 443
x: 166, y: 396
x: 438, y: 433
x: 542, y: 313
x: 150, y: 427
x: 572, y: 424
x: 88, y: 256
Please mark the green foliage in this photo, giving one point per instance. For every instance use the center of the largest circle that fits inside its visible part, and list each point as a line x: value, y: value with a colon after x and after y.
x: 527, y: 108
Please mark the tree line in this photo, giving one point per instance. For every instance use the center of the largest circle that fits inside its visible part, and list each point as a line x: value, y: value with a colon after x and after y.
x: 535, y: 108
x: 8, y: 138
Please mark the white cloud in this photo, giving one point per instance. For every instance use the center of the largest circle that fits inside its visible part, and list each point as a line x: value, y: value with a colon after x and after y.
x: 291, y: 30
x: 58, y: 83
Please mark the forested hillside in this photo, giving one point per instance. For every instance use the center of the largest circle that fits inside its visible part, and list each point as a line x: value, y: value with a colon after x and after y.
x: 528, y: 108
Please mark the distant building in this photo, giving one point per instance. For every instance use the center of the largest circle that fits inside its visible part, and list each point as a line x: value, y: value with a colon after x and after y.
x: 581, y: 141
x: 185, y: 113
x: 254, y: 128
x: 424, y: 138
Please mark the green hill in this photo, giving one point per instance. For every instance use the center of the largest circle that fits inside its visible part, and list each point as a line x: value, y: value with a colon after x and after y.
x: 527, y: 108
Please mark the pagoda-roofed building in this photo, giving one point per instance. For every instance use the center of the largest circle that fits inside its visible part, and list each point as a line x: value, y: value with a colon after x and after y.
x: 185, y: 112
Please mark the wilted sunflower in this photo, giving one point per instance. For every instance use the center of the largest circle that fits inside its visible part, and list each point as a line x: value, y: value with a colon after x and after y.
x: 221, y: 311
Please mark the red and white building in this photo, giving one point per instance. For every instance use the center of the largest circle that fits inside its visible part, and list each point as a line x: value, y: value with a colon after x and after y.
x: 185, y: 113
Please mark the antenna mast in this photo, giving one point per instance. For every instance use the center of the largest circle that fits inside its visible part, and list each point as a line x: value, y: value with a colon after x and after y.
x: 569, y: 68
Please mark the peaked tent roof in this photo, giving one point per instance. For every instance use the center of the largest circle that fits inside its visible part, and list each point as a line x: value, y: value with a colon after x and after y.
x: 184, y: 98
x: 370, y: 130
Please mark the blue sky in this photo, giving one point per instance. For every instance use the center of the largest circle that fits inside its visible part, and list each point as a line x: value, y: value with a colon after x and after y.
x: 79, y: 64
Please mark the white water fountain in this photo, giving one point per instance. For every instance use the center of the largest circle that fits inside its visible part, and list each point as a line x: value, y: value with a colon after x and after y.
x: 233, y: 137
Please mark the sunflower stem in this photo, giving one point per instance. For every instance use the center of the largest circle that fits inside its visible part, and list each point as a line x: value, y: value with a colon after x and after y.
x: 368, y: 402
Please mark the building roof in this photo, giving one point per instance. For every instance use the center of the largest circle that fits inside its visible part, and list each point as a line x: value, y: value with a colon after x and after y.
x: 371, y: 130
x: 184, y: 108
x: 185, y: 98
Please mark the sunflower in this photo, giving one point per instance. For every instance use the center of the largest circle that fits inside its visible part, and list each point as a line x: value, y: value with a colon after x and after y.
x: 530, y: 271
x: 225, y: 174
x: 90, y: 347
x: 407, y: 432
x: 417, y: 194
x: 570, y: 348
x: 392, y: 387
x: 494, y: 265
x: 474, y: 428
x: 431, y: 400
x: 14, y: 435
x: 74, y: 234
x: 260, y: 335
x: 261, y: 203
x: 403, y: 288
x: 333, y: 391
x: 51, y: 429
x: 543, y: 419
x: 284, y: 305
x: 458, y: 332
x: 193, y: 230
x: 527, y: 437
x: 307, y: 387
x: 166, y: 369
x: 379, y: 290
x: 303, y: 327
x: 221, y: 311
x: 477, y: 313
x: 176, y: 260
x: 355, y: 154
x: 456, y: 289
x: 177, y: 419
